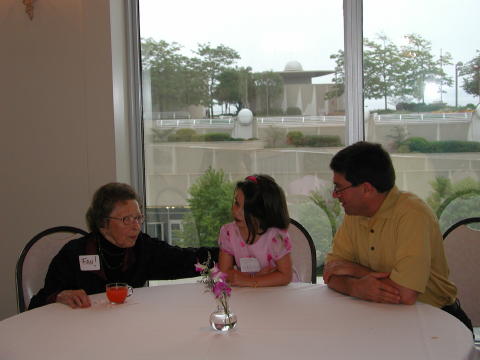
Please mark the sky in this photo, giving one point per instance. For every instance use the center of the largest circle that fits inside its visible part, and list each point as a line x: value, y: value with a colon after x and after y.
x: 267, y: 35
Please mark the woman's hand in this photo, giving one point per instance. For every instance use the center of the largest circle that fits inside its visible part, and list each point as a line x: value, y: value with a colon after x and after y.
x: 74, y: 298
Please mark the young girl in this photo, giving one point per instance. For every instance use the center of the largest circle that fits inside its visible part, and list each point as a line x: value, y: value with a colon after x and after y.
x: 257, y: 240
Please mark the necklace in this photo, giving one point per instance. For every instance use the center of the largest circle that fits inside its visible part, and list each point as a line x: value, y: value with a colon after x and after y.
x: 105, y: 261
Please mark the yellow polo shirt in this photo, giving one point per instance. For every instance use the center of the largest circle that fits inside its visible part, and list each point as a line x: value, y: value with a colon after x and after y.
x: 402, y: 238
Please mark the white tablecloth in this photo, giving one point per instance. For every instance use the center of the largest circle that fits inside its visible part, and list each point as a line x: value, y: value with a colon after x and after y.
x: 300, y: 321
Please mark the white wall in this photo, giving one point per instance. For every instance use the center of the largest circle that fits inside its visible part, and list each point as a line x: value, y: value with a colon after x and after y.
x: 58, y: 120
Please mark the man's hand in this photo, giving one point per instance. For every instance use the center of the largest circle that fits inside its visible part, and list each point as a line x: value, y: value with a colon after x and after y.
x: 373, y: 287
x: 343, y: 268
x: 74, y: 298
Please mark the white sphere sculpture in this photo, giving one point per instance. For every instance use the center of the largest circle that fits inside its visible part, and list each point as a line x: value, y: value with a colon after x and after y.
x: 245, y: 117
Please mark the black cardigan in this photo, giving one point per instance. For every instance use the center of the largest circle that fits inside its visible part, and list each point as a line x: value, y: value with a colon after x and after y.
x: 149, y: 259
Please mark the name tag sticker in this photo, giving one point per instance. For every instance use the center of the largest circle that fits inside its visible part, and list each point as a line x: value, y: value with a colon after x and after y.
x: 89, y: 262
x: 250, y: 265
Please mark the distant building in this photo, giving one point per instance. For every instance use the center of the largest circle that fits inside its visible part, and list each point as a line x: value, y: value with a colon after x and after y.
x: 299, y: 92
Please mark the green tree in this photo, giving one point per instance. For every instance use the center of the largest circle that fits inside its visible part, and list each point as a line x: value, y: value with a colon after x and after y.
x: 235, y: 87
x: 388, y: 74
x: 175, y: 84
x: 269, y: 87
x: 380, y: 62
x: 471, y: 73
x: 339, y: 79
x: 212, y: 61
x: 210, y: 203
x: 442, y: 78
x: 418, y: 66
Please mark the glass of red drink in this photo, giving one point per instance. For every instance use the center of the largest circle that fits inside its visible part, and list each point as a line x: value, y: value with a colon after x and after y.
x: 118, y: 292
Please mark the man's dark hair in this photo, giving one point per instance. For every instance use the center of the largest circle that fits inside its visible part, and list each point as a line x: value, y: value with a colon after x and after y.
x: 103, y: 202
x: 365, y: 162
x: 265, y: 205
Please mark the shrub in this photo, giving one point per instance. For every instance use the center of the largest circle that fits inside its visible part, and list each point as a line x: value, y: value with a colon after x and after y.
x: 295, y: 138
x: 418, y: 144
x: 182, y: 135
x: 293, y: 110
x: 217, y: 137
x: 321, y: 140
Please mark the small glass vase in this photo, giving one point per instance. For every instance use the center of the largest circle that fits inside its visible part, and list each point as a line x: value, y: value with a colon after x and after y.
x: 223, y: 321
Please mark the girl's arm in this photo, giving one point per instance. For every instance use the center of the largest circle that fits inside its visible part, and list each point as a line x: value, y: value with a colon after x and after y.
x: 281, y: 275
x: 225, y: 262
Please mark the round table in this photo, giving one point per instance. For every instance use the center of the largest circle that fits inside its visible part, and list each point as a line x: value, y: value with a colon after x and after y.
x: 298, y: 321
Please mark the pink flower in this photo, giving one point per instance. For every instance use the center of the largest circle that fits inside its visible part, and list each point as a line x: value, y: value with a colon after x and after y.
x: 221, y: 288
x: 242, y: 244
x: 274, y: 240
x: 199, y: 267
x: 217, y: 275
x: 269, y: 257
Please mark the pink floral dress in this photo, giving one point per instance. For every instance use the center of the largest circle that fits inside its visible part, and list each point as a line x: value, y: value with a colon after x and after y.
x: 273, y: 245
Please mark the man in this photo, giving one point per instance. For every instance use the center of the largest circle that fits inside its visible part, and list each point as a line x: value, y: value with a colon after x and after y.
x: 389, y: 248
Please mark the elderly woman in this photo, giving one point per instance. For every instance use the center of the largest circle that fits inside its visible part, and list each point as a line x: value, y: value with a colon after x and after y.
x: 118, y: 250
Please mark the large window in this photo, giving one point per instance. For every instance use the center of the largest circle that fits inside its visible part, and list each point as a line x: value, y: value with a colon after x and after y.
x: 260, y: 87
x: 421, y: 89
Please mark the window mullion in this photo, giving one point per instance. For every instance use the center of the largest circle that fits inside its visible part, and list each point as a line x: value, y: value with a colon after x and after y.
x: 353, y: 43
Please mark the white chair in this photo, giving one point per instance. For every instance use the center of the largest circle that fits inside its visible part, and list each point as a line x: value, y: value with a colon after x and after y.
x: 35, y: 259
x: 462, y: 249
x: 303, y: 254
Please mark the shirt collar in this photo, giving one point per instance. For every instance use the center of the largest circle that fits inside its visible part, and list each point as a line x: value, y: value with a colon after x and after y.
x: 386, y: 209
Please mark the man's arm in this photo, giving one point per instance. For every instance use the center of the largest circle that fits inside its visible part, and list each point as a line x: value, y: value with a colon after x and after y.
x: 361, y: 282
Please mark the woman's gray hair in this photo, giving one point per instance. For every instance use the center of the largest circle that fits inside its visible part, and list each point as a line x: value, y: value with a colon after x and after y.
x: 103, y: 202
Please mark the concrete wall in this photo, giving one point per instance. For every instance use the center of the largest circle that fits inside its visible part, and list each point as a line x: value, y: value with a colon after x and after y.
x: 58, y: 119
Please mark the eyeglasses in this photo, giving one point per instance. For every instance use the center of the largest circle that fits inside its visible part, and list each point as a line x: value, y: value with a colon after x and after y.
x: 338, y: 191
x: 130, y: 219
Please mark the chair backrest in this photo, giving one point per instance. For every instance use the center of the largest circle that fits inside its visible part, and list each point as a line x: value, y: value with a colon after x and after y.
x: 462, y: 249
x: 303, y: 254
x: 35, y: 259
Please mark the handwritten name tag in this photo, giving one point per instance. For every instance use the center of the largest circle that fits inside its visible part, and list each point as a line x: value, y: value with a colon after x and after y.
x: 250, y: 265
x: 89, y: 262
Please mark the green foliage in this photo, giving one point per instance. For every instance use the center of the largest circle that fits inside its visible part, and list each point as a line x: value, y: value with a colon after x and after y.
x: 381, y: 62
x: 293, y: 110
x: 419, y: 107
x: 217, y: 137
x: 471, y: 73
x: 275, y: 137
x: 182, y: 135
x: 235, y: 87
x: 419, y: 144
x: 210, y: 202
x: 175, y: 82
x: 397, y: 136
x: 211, y: 62
x: 268, y: 88
x: 295, y: 138
x: 453, y: 202
x: 391, y: 71
x: 161, y: 135
x: 322, y: 140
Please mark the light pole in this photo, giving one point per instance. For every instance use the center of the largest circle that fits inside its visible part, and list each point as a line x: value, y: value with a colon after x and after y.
x: 457, y: 66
